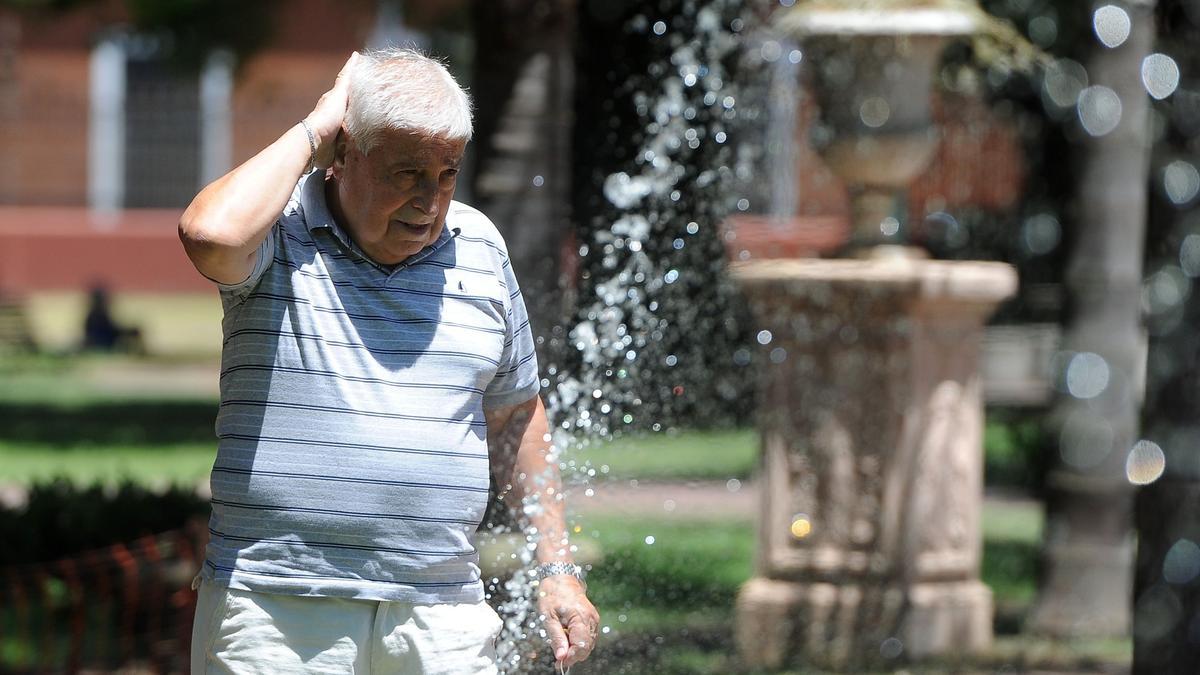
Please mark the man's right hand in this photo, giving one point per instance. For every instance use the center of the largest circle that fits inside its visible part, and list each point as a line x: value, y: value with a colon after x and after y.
x: 326, y: 119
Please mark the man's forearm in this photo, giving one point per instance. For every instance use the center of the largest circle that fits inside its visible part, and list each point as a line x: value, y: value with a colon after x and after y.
x: 534, y: 478
x: 228, y: 220
x: 224, y: 225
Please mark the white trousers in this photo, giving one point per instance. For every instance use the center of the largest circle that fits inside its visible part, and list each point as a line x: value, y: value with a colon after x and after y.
x: 243, y: 632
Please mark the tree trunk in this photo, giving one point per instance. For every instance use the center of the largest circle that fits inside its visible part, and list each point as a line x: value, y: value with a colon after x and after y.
x: 1087, y: 543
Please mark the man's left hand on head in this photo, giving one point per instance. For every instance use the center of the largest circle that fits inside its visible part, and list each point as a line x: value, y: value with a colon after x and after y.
x: 572, y: 623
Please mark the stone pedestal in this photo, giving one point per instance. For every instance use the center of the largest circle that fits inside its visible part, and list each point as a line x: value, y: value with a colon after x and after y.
x: 871, y: 422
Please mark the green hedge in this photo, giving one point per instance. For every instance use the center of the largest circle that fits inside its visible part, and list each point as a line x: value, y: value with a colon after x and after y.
x: 60, y: 519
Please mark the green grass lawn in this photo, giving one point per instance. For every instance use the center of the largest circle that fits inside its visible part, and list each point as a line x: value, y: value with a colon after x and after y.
x: 668, y: 604
x: 687, y: 455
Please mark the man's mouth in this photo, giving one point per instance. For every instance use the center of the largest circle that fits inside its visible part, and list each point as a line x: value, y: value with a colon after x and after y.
x: 414, y: 227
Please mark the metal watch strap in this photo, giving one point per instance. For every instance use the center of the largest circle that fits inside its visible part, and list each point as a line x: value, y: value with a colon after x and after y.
x: 556, y: 568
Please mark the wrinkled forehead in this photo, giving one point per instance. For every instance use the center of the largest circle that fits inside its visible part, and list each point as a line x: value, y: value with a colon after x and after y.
x: 399, y: 145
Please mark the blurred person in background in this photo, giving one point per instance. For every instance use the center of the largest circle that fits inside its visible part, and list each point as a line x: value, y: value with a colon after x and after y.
x: 377, y: 368
x: 101, y: 332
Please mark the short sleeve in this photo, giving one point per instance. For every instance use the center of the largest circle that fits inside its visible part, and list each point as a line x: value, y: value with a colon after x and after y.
x: 516, y: 379
x: 232, y: 294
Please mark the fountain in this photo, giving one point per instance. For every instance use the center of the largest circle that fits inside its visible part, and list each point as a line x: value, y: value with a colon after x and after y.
x: 870, y: 412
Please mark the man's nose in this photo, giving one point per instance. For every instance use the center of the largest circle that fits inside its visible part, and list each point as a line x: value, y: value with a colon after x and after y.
x: 425, y: 199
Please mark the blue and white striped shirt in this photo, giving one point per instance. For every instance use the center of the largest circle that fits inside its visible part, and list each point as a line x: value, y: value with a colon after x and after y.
x: 352, y: 457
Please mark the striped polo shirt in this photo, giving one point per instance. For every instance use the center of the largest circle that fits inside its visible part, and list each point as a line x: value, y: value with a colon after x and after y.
x: 352, y: 458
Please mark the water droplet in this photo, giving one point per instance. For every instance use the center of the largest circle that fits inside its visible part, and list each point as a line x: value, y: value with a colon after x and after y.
x: 1112, y: 25
x: 795, y: 56
x: 1099, y: 110
x: 874, y: 112
x: 659, y: 27
x: 764, y: 337
x: 538, y: 181
x: 693, y: 228
x: 671, y: 360
x: 720, y: 137
x: 1181, y: 181
x: 668, y: 505
x: 627, y: 419
x: 1182, y: 562
x: 1160, y: 75
x: 778, y: 355
x: 1087, y: 375
x: 1145, y: 464
x: 649, y: 540
x: 889, y: 226
x: 671, y: 276
x: 733, y: 485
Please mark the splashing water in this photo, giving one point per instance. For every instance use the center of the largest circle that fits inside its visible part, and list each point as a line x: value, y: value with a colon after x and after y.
x: 621, y: 319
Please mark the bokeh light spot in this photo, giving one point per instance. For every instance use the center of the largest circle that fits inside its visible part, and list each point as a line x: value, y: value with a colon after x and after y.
x: 1087, y: 375
x: 1145, y: 464
x: 801, y: 526
x: 1189, y: 255
x: 1041, y: 233
x: 1160, y: 75
x: 1064, y: 80
x: 891, y: 648
x: 1182, y: 562
x: 874, y: 112
x: 1181, y: 181
x: 1099, y: 110
x: 1112, y: 25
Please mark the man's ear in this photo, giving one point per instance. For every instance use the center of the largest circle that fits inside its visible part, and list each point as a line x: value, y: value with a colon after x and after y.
x: 341, y: 146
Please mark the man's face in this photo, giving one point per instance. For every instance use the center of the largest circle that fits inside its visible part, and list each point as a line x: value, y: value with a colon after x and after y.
x: 394, y: 201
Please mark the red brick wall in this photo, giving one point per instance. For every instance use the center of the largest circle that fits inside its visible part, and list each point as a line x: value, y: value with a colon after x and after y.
x: 44, y: 129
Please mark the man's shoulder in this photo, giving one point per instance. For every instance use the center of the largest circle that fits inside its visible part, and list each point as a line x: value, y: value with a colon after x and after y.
x: 473, y: 225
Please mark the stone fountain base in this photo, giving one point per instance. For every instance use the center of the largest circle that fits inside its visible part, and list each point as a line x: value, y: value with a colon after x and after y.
x: 871, y: 420
x: 825, y: 621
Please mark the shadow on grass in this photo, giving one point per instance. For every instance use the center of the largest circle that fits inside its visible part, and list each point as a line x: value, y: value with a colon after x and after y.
x: 108, y: 423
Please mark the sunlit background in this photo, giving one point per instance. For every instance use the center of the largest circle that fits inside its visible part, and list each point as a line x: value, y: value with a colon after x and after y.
x: 866, y: 326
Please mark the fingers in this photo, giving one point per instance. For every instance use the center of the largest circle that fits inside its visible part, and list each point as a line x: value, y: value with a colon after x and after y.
x: 582, y: 636
x: 343, y: 76
x: 557, y: 637
x: 326, y: 118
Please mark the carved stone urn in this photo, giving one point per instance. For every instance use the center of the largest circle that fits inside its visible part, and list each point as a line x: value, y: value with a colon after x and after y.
x: 870, y: 409
x: 871, y: 72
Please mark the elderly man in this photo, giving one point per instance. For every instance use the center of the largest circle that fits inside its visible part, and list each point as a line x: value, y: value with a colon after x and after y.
x: 377, y: 361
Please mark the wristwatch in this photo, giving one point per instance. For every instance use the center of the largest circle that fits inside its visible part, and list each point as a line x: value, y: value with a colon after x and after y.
x: 552, y: 569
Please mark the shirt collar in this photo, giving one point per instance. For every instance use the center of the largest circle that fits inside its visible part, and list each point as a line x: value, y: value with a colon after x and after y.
x: 317, y: 216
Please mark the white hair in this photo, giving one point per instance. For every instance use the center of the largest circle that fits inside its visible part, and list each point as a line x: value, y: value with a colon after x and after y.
x: 401, y: 88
